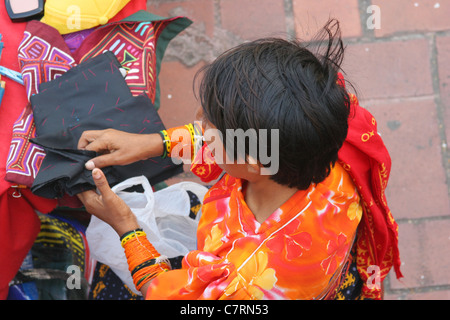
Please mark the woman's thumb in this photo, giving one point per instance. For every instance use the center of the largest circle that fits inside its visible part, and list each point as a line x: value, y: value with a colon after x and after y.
x: 100, y: 182
x: 102, y: 161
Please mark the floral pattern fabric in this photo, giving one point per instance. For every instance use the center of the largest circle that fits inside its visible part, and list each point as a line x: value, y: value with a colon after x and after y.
x: 297, y: 253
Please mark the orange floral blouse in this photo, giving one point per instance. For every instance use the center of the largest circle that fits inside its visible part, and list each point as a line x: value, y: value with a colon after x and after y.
x: 297, y: 253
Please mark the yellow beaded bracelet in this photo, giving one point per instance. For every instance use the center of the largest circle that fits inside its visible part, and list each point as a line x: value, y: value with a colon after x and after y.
x: 130, y: 236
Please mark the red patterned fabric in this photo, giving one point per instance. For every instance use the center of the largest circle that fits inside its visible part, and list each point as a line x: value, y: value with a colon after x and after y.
x: 19, y: 224
x: 43, y: 56
x: 137, y: 43
x: 367, y: 160
x: 204, y: 165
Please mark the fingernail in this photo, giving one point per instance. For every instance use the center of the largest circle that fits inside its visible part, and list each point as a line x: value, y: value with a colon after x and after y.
x: 90, y: 165
x: 96, y: 174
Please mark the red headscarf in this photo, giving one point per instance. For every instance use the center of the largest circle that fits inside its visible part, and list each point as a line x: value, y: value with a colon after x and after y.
x: 367, y: 160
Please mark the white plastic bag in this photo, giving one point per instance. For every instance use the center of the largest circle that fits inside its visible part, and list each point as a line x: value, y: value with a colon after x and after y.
x: 163, y: 215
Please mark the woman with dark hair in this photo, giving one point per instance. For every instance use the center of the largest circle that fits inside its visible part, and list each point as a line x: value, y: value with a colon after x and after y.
x: 314, y: 226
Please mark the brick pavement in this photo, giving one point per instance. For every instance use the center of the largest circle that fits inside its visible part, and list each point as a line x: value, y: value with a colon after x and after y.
x: 401, y: 69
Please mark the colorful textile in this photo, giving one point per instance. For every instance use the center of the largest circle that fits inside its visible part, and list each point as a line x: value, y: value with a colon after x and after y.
x: 91, y: 96
x: 75, y: 39
x: 367, y: 160
x: 60, y: 250
x: 297, y: 253
x: 106, y: 285
x: 19, y: 227
x: 43, y: 56
x: 139, y: 43
x: 19, y: 224
x: 351, y: 283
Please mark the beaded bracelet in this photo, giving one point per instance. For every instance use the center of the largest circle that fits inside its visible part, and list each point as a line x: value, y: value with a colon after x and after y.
x: 179, y: 135
x: 130, y: 234
x: 197, y: 137
x: 167, y: 143
x: 190, y: 132
x: 144, y: 261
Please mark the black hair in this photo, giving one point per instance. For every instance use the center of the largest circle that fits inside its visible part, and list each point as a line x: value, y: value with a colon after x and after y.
x: 273, y: 83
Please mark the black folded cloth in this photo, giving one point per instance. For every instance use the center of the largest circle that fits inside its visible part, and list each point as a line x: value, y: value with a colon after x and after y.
x: 90, y: 96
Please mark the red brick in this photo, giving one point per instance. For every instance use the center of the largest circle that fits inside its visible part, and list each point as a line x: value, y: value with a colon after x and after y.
x: 253, y: 19
x: 411, y: 16
x: 443, y: 48
x: 417, y: 185
x: 199, y: 11
x: 310, y: 16
x: 424, y: 254
x: 433, y: 294
x: 178, y: 102
x: 390, y: 69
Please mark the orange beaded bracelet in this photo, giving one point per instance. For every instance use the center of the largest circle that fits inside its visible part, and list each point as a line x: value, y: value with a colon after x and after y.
x: 144, y: 261
x: 182, y: 142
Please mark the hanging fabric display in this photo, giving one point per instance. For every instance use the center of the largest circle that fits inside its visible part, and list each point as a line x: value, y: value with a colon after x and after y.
x: 138, y: 41
x: 90, y: 96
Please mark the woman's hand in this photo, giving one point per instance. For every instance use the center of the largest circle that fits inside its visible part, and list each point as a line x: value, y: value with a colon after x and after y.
x: 119, y: 147
x: 108, y: 206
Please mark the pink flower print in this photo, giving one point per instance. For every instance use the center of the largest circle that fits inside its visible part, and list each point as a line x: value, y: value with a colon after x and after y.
x: 296, y: 244
x: 335, y: 250
x: 293, y: 244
